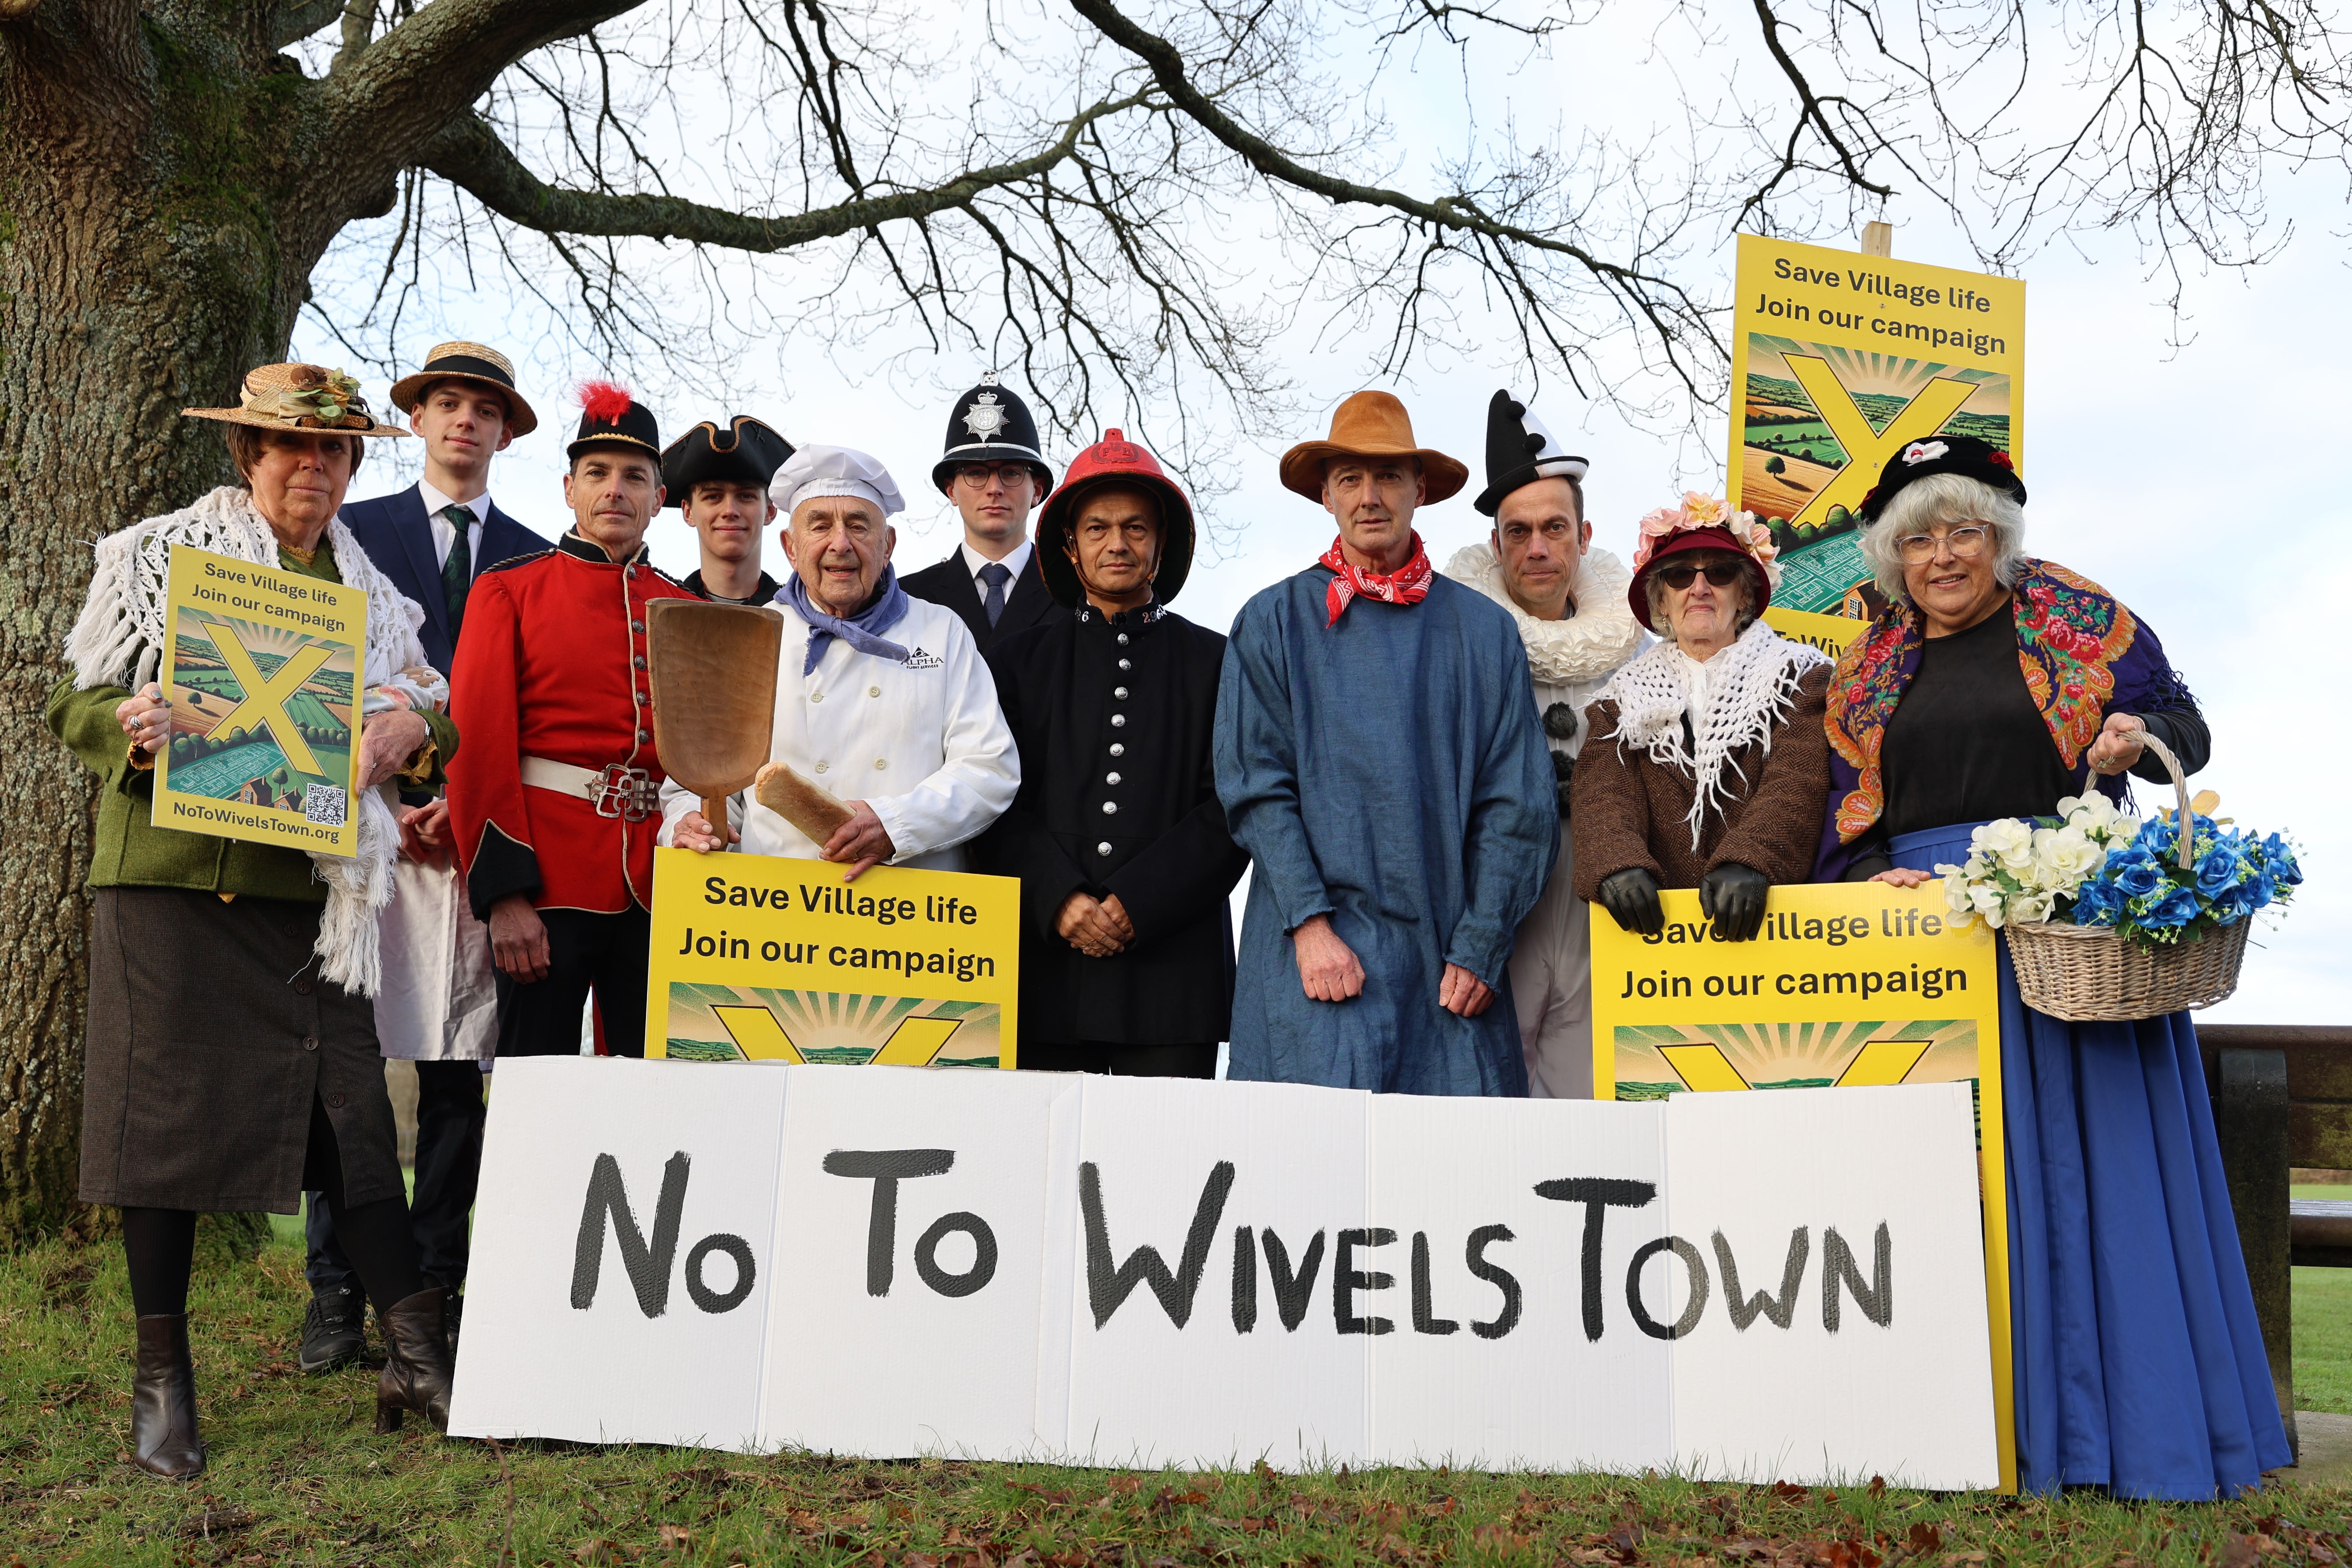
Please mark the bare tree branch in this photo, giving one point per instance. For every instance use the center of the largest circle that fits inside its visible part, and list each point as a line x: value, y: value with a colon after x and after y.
x: 299, y: 18
x: 469, y: 154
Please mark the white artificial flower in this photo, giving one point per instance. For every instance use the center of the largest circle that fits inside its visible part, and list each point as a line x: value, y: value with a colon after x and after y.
x: 2030, y: 906
x: 2065, y: 857
x: 1988, y: 902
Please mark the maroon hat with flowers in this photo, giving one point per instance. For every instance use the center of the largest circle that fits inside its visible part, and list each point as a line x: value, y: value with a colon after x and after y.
x: 1114, y: 461
x: 1962, y: 454
x: 1703, y: 522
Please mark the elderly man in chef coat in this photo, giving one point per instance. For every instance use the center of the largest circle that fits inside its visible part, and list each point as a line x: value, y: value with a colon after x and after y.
x: 881, y: 698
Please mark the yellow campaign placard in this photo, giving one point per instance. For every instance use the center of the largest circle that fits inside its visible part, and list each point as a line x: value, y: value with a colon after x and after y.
x: 762, y: 958
x: 1848, y: 985
x: 1831, y: 633
x: 262, y: 668
x: 1840, y: 361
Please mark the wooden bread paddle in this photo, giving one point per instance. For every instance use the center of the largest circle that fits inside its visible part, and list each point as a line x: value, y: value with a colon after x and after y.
x: 713, y: 669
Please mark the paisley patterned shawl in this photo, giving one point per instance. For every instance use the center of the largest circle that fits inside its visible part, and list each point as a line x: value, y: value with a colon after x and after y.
x: 2083, y: 651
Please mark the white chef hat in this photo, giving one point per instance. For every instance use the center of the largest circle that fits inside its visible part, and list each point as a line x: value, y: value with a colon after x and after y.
x: 833, y: 471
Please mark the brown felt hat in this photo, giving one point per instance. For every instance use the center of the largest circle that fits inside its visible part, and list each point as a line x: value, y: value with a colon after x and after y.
x: 300, y: 397
x: 1370, y: 425
x: 477, y: 363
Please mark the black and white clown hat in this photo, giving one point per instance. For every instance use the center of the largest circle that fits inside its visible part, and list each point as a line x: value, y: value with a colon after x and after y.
x: 1519, y: 451
x: 991, y: 425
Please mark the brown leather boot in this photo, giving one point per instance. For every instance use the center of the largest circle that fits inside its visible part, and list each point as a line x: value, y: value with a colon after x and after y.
x: 163, y: 1401
x: 416, y: 1368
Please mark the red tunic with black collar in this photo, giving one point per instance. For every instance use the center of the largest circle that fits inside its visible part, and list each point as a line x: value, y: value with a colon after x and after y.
x: 551, y: 669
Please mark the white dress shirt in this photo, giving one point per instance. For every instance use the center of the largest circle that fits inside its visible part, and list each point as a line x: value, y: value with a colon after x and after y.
x: 444, y: 534
x: 1015, y: 561
x: 923, y: 743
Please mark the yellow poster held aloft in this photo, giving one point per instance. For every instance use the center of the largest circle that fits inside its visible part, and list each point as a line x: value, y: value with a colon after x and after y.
x: 1839, y: 361
x: 758, y: 957
x: 1858, y: 985
x: 261, y: 667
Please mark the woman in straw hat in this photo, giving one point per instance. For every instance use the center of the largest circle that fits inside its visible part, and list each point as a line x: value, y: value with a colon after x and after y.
x: 1378, y: 755
x: 231, y: 1058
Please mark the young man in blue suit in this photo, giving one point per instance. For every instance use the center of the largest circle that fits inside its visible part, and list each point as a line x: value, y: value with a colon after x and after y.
x: 438, y: 1005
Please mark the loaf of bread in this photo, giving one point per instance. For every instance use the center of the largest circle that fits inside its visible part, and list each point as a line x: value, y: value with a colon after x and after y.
x: 813, y: 811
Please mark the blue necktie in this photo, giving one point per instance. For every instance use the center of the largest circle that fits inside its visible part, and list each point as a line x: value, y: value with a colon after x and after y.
x: 995, y: 575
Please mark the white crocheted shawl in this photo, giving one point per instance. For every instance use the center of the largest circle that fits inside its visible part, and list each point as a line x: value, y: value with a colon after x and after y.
x: 119, y: 641
x: 1588, y: 644
x: 1748, y: 688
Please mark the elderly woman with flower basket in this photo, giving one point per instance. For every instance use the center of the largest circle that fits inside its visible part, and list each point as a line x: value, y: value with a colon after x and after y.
x: 1996, y: 689
x: 1706, y: 764
x: 231, y: 1061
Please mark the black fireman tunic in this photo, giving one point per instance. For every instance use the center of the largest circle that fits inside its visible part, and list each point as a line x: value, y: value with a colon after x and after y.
x: 1119, y: 795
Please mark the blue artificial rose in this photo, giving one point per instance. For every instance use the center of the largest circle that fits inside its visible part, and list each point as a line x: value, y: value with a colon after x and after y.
x: 2097, y: 903
x: 2177, y: 907
x: 2222, y: 867
x: 2279, y: 861
x: 2231, y: 905
x: 2135, y: 871
x: 2156, y: 835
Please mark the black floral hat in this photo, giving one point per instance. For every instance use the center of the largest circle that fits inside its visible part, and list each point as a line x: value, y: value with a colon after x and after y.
x: 1962, y: 454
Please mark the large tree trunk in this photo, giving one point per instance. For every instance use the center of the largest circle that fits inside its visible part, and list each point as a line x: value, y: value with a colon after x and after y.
x: 141, y: 270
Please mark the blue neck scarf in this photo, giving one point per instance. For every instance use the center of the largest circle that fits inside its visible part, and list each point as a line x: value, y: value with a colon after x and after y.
x: 862, y: 631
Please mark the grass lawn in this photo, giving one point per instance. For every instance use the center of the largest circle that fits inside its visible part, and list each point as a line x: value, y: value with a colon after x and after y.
x: 2323, y: 1328
x: 298, y: 1476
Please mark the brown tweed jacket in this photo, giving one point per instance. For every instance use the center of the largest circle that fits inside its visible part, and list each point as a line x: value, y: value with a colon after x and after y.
x: 1626, y: 810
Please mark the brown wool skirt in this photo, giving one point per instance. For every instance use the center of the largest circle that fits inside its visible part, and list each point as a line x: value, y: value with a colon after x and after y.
x: 210, y: 1035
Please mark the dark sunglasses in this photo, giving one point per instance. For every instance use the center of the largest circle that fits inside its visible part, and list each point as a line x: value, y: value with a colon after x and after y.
x: 1722, y: 574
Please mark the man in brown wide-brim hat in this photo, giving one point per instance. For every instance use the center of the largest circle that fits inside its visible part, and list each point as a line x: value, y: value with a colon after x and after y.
x: 1379, y: 754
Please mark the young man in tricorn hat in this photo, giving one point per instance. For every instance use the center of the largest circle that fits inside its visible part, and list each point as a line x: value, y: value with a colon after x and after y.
x: 1117, y: 838
x: 717, y: 475
x: 1378, y: 755
x: 994, y: 472
x: 1568, y: 602
x: 438, y: 1005
x: 555, y: 795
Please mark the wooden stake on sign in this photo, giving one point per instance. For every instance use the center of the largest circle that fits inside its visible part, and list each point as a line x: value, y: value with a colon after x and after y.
x: 1878, y: 239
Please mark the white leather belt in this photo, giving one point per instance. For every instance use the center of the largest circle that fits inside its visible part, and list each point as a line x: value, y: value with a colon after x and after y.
x: 615, y: 789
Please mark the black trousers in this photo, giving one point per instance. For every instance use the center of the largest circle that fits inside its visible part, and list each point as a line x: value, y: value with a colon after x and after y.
x: 1120, y: 1062
x: 449, y: 1117
x: 603, y: 953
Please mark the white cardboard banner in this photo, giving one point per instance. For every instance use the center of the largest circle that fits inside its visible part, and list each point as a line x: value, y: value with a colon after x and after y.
x: 890, y: 1262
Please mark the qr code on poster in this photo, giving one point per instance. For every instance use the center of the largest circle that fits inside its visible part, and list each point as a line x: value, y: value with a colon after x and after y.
x: 323, y: 803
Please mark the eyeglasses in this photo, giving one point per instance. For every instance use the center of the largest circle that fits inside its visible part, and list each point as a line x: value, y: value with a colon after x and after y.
x: 977, y: 475
x: 1964, y: 542
x: 1722, y: 574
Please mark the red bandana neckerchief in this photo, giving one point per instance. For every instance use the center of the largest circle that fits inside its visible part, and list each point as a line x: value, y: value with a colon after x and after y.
x: 1408, y: 584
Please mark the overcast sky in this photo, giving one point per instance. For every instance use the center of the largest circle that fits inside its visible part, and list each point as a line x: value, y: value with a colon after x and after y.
x: 2192, y: 482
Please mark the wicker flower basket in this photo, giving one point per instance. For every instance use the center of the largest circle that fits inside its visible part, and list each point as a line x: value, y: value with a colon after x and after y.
x: 2090, y: 974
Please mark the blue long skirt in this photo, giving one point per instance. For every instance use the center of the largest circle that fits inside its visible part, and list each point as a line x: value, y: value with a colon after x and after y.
x: 2139, y: 1359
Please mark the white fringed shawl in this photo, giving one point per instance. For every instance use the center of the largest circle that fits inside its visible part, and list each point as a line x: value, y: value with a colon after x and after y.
x: 119, y: 641
x: 1749, y: 686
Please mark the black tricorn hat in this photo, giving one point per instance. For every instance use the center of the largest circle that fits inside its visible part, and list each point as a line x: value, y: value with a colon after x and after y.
x: 745, y: 452
x: 991, y: 425
x: 611, y: 416
x: 1519, y: 451
x: 1962, y: 454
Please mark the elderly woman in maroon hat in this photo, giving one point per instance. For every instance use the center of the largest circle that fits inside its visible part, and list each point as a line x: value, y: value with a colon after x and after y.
x: 1706, y: 765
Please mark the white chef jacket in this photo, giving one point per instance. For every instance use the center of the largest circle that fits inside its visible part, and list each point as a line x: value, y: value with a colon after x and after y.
x: 923, y: 743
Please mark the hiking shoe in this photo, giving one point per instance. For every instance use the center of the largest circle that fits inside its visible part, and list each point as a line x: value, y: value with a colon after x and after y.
x: 334, y: 1331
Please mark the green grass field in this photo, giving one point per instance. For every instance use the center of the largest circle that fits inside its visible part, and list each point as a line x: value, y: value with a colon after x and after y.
x: 298, y: 1478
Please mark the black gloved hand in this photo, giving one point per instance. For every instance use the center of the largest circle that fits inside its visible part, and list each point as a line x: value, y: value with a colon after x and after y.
x: 1632, y: 895
x: 1563, y: 769
x: 1560, y: 721
x: 1732, y: 895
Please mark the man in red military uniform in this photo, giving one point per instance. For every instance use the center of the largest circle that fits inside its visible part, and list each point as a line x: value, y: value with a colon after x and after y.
x: 556, y: 804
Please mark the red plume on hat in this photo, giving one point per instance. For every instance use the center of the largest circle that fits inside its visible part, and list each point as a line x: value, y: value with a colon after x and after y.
x: 606, y: 401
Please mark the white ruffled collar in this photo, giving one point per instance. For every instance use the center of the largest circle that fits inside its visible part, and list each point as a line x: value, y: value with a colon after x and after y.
x: 1747, y: 690
x: 1588, y: 644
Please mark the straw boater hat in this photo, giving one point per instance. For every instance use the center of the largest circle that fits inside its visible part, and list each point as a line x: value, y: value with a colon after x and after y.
x: 1114, y: 461
x: 468, y: 362
x: 300, y: 397
x: 1370, y: 425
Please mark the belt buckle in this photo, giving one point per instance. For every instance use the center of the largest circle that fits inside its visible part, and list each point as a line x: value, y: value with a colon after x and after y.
x: 628, y: 793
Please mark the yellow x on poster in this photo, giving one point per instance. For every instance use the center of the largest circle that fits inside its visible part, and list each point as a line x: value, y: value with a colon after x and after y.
x: 262, y: 668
